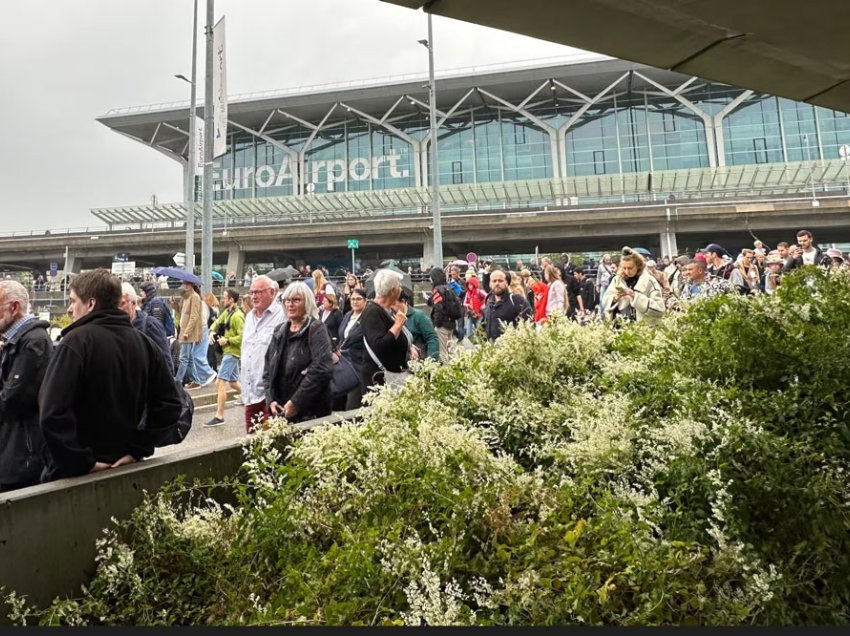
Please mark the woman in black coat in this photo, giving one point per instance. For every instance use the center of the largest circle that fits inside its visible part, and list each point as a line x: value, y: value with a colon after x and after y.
x: 331, y: 316
x: 383, y: 330
x: 299, y: 367
x: 351, y: 344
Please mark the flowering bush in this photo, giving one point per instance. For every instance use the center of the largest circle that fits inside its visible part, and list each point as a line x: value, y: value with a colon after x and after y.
x: 694, y: 472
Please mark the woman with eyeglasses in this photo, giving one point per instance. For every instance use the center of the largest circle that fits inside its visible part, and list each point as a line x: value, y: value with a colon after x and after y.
x: 351, y: 345
x: 299, y: 366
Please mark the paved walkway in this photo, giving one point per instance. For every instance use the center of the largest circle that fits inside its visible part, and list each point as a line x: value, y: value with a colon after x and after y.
x: 200, y: 435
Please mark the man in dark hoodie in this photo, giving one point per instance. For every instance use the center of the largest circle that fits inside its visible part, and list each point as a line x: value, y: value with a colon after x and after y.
x: 445, y: 309
x: 104, y: 379
x: 156, y: 307
x: 25, y: 352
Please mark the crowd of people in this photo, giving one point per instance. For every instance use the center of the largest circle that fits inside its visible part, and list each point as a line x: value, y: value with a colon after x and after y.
x: 103, y: 395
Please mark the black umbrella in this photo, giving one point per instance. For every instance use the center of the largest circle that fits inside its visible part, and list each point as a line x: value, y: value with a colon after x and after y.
x: 279, y: 275
x: 406, y: 281
x: 283, y: 274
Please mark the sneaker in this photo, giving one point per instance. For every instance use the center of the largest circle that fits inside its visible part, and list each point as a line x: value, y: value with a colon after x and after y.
x: 211, y: 379
x: 193, y: 385
x: 237, y: 400
x: 216, y: 421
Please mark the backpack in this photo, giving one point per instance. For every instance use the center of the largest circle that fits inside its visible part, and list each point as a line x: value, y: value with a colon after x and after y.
x: 180, y: 429
x: 454, y: 309
x: 177, y: 431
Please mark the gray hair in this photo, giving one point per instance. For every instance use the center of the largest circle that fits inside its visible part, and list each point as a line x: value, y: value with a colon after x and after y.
x: 13, y: 290
x: 271, y: 283
x: 128, y: 291
x: 386, y: 280
x: 300, y: 289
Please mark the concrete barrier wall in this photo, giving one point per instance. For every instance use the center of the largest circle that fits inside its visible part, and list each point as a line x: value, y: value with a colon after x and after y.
x: 48, y: 532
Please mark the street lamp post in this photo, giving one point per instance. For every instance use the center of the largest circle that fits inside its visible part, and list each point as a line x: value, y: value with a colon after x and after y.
x: 815, y: 202
x: 434, y: 170
x: 209, y: 125
x: 193, y: 158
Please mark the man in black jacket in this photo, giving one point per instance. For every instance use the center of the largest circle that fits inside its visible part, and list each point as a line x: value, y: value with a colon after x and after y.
x: 103, y: 379
x: 502, y: 306
x: 26, y: 348
x: 805, y: 253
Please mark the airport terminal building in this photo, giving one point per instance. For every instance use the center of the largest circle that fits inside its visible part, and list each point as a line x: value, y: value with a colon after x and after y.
x: 585, y: 130
x: 582, y: 154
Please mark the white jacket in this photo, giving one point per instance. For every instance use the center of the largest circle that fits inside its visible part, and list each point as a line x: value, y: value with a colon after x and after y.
x: 648, y: 302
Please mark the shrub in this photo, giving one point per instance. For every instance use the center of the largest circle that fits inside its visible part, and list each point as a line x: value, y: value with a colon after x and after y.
x: 689, y: 473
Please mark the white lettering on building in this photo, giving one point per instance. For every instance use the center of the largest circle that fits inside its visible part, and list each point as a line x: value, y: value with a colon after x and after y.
x: 327, y: 171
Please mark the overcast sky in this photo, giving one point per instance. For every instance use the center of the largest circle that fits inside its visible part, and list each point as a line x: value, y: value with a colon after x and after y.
x: 63, y: 63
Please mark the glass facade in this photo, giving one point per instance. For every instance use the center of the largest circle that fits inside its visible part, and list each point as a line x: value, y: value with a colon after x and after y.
x: 625, y: 131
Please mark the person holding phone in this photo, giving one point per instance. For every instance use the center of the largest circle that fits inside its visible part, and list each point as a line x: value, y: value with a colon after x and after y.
x: 385, y: 338
x: 805, y: 253
x: 634, y: 294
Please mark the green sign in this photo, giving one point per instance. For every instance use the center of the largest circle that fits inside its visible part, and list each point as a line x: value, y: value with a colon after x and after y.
x: 353, y: 244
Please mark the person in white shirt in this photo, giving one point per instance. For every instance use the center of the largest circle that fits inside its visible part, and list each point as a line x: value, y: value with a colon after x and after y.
x: 260, y: 324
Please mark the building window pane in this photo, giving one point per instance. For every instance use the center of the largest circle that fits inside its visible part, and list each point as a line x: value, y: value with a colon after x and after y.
x: 760, y: 149
x: 519, y: 134
x: 457, y: 172
x: 598, y: 162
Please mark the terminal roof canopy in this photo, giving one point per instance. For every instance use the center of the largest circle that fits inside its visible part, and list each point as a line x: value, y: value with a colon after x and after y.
x: 789, y: 48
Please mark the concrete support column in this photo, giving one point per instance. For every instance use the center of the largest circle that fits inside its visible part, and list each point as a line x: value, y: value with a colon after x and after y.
x: 427, y: 261
x: 669, y: 246
x: 236, y: 262
x: 73, y: 263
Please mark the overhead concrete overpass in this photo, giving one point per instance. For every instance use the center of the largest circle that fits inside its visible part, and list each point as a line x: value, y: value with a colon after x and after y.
x: 665, y: 228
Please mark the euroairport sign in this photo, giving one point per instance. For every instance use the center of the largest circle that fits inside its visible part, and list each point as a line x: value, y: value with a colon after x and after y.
x: 327, y: 171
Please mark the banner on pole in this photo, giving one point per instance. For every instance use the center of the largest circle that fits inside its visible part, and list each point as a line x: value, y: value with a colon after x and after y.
x: 219, y: 91
x: 199, y: 144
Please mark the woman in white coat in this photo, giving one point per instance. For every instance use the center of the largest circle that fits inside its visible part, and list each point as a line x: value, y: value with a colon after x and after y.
x: 633, y: 294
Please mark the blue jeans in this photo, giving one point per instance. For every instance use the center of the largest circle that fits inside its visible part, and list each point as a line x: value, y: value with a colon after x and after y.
x: 470, y: 325
x: 203, y: 371
x: 187, y: 362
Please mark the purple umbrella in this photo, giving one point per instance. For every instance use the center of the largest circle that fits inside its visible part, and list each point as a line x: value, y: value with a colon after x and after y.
x: 179, y: 274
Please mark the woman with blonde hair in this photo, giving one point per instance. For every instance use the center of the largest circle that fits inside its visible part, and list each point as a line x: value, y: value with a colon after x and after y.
x: 321, y: 287
x: 633, y: 294
x: 557, y: 301
x: 247, y: 304
x: 516, y: 285
x: 331, y: 316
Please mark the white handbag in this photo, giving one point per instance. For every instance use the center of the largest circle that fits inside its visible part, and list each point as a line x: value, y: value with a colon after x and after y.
x: 391, y: 378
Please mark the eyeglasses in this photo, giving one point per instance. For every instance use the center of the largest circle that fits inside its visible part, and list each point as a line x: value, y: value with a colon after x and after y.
x: 260, y: 291
x: 294, y: 299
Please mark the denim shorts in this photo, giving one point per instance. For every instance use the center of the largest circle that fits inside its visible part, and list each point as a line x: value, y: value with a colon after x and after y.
x: 228, y: 370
